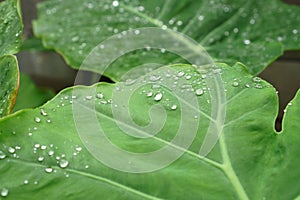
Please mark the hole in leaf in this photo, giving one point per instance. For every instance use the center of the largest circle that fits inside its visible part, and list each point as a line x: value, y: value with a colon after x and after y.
x: 284, y: 75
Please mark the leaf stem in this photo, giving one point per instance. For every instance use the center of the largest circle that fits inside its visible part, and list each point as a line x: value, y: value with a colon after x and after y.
x: 229, y: 171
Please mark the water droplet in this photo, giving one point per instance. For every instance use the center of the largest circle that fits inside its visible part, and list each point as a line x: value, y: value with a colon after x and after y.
x: 43, y: 147
x: 149, y: 94
x: 100, y: 96
x: 154, y: 78
x: 88, y: 97
x: 290, y: 103
x: 2, y: 155
x: 4, y: 192
x: 43, y: 112
x: 63, y: 163
x: 49, y: 169
x: 129, y: 81
x: 137, y: 32
x: 26, y: 182
x: 86, y: 166
x: 179, y: 23
x: 158, y: 97
x: 252, y: 21
x: 188, y: 77
x: 40, y: 158
x: 235, y: 84
x: 201, y: 18
x: 11, y: 150
x: 295, y: 31
x: 180, y: 74
x: 279, y: 38
x: 258, y: 86
x: 199, y: 92
x: 246, y: 42
x: 247, y: 85
x: 51, y: 153
x: 78, y: 149
x: 256, y: 79
x: 115, y: 3
x: 174, y: 107
x: 235, y: 30
x: 37, y: 119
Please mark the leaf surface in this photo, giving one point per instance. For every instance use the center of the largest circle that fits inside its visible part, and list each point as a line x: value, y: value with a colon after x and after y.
x: 250, y: 160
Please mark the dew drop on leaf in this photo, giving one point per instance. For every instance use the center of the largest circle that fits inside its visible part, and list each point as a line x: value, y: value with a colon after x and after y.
x: 43, y: 112
x: 199, y: 92
x: 11, y: 150
x: 158, y: 97
x: 115, y: 3
x: 49, y: 169
x: 247, y: 42
x: 2, y: 155
x: 37, y: 119
x: 149, y: 94
x: 4, y: 192
x: 63, y: 163
x: 174, y: 107
x: 51, y: 153
x: 235, y: 84
x: 40, y: 159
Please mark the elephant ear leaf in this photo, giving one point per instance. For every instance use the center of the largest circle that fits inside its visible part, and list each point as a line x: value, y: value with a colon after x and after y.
x: 10, y: 40
x: 254, y: 33
x: 46, y: 153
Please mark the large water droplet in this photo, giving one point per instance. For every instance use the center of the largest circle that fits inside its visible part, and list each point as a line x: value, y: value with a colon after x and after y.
x: 174, y: 107
x: 40, y: 159
x: 43, y: 112
x: 100, y: 96
x: 158, y: 97
x: 247, y: 42
x: 11, y: 150
x: 2, y: 155
x: 199, y: 92
x: 4, y: 192
x: 49, y: 169
x: 37, y: 119
x: 235, y: 84
x: 115, y: 3
x: 63, y: 163
x: 51, y: 153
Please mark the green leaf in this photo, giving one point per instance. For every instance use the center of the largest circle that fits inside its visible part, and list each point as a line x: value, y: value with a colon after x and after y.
x: 10, y: 40
x: 250, y: 160
x: 10, y: 27
x: 9, y: 82
x: 255, y: 33
x: 29, y: 95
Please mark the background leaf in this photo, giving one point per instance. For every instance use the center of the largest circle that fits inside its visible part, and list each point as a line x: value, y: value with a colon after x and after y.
x: 9, y: 82
x: 10, y: 27
x: 255, y: 33
x: 10, y: 41
x: 29, y: 95
x: 41, y: 152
